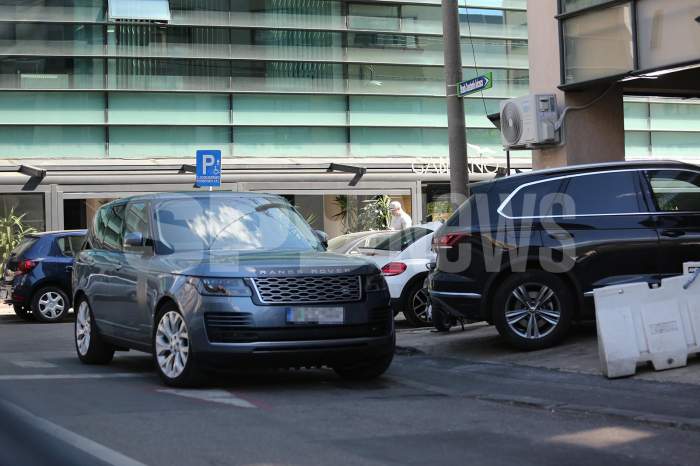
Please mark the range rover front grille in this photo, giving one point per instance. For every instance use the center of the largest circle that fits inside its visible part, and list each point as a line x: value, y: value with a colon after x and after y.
x: 309, y: 290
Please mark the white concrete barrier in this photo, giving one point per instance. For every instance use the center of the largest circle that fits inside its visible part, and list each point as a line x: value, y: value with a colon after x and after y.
x: 638, y: 324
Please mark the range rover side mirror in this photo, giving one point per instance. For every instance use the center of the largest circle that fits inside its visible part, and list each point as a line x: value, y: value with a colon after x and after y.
x: 134, y: 240
x: 323, y: 237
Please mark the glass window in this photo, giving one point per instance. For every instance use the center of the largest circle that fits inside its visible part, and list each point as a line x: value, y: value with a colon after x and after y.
x: 51, y: 73
x: 139, y: 10
x: 675, y: 116
x: 399, y: 111
x: 53, y: 141
x: 636, y: 115
x: 76, y: 243
x: 637, y: 144
x: 675, y: 190
x: 573, y: 5
x: 377, y: 17
x: 598, y: 44
x: 367, y: 142
x: 533, y: 201
x: 283, y: 109
x: 113, y: 224
x: 61, y: 10
x: 230, y: 223
x: 136, y: 219
x: 675, y: 144
x: 64, y: 246
x: 166, y: 141
x: 402, y: 239
x: 31, y: 206
x: 281, y: 141
x: 605, y: 193
x: 165, y: 109
x: 52, y: 107
x: 99, y: 228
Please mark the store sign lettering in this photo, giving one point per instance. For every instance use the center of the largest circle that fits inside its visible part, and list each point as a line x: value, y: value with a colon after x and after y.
x: 441, y: 165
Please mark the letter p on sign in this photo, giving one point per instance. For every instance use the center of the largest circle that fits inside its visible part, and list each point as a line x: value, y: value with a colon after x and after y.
x: 208, y: 168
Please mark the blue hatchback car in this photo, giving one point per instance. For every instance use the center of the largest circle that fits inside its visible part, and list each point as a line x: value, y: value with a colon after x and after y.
x: 36, y: 280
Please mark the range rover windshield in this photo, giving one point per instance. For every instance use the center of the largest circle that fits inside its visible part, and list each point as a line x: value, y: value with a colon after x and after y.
x: 230, y: 223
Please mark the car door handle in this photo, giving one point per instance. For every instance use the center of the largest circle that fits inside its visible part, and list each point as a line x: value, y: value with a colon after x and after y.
x: 561, y: 236
x: 69, y: 268
x: 672, y: 233
x: 118, y: 267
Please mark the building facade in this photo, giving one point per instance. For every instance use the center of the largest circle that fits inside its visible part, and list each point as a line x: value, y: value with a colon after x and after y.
x: 113, y: 97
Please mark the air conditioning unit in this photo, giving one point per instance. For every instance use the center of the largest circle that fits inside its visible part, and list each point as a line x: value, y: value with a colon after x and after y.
x: 529, y: 122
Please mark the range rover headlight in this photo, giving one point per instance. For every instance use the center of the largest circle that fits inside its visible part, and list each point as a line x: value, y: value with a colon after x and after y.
x: 375, y: 282
x: 221, y: 286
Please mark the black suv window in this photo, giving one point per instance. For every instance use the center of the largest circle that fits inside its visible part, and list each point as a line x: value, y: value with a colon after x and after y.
x: 533, y: 200
x: 605, y: 193
x: 675, y: 190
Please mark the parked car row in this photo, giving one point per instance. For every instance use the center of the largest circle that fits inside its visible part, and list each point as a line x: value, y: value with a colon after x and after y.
x: 206, y: 281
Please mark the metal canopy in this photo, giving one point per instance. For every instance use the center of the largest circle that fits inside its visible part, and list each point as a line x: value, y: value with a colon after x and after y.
x: 140, y: 10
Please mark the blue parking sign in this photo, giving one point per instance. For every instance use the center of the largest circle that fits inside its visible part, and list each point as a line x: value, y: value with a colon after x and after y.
x: 208, y: 168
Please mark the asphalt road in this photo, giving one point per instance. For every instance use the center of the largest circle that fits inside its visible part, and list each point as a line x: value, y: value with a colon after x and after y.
x: 426, y: 410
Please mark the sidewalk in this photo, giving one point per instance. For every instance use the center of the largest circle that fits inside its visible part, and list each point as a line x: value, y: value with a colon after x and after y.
x: 578, y: 354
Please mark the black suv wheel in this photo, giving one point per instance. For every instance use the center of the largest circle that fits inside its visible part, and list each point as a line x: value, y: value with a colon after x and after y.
x: 533, y: 310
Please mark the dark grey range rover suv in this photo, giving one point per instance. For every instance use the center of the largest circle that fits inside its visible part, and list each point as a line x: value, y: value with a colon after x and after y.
x: 224, y: 280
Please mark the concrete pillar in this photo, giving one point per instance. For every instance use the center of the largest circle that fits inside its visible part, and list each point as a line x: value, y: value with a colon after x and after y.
x: 596, y: 134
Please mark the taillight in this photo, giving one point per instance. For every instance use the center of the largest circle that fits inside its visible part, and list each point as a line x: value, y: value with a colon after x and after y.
x: 447, y: 241
x: 25, y: 266
x: 394, y: 268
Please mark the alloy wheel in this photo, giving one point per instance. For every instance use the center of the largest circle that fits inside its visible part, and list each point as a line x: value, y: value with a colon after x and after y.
x: 172, y: 344
x: 51, y: 305
x: 533, y: 311
x: 82, y: 328
x: 421, y: 306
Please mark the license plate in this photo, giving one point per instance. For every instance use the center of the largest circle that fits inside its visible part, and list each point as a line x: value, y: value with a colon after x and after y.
x: 316, y: 315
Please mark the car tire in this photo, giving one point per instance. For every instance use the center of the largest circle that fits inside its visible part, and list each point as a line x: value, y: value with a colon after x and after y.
x: 416, y: 305
x: 91, y: 347
x: 172, y: 352
x: 442, y: 321
x: 365, y: 370
x: 23, y: 312
x: 50, y: 304
x: 533, y: 310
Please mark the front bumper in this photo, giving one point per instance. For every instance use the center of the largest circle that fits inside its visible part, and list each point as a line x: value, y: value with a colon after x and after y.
x: 235, y: 332
x: 305, y: 353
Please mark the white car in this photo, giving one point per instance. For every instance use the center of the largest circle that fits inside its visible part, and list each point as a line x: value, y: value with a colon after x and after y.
x: 403, y: 257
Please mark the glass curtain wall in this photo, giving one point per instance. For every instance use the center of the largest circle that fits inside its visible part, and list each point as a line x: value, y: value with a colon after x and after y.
x: 256, y: 78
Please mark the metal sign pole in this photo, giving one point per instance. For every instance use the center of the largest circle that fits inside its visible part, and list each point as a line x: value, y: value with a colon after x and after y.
x: 457, y: 132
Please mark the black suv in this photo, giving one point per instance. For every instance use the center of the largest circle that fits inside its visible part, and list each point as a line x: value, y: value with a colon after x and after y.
x: 526, y: 252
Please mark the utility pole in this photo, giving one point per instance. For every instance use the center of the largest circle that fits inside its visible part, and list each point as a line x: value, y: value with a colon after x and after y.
x: 457, y: 133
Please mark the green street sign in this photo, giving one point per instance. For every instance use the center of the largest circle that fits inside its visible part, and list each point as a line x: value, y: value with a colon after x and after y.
x: 480, y: 83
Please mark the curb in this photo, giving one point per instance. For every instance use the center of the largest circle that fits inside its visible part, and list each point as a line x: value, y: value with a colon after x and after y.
x: 682, y: 423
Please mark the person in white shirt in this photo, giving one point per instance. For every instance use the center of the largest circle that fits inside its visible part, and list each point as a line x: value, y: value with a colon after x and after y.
x: 399, y: 219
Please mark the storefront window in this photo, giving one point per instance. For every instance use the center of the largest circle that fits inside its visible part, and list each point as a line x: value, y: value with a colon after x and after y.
x: 30, y: 206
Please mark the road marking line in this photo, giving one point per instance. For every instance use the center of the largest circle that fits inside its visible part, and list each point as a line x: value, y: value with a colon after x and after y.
x: 116, y: 375
x: 34, y: 364
x: 213, y: 396
x: 99, y: 451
